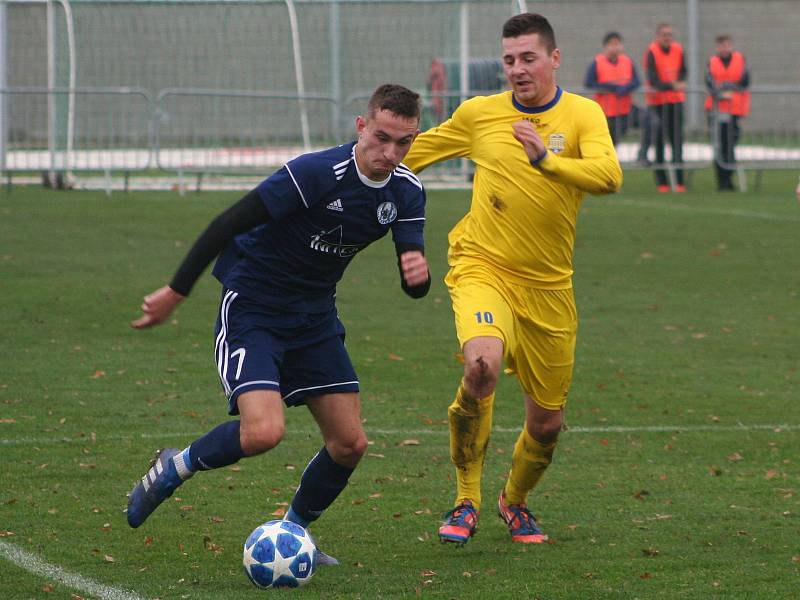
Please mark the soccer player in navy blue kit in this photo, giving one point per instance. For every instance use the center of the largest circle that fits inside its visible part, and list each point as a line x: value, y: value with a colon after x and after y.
x: 281, y: 251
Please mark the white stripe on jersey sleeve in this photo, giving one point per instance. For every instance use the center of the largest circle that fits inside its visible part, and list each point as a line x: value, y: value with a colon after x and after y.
x: 408, y: 175
x: 340, y: 169
x: 407, y: 220
x: 402, y: 169
x: 303, y: 198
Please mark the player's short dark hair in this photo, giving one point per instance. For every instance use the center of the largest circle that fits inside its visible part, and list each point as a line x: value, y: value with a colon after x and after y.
x: 611, y: 35
x: 527, y: 23
x: 396, y: 99
x: 723, y: 37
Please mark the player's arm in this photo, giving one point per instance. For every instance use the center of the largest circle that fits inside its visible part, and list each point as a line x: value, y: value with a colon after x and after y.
x: 249, y: 212
x: 450, y: 139
x: 415, y: 276
x: 597, y: 171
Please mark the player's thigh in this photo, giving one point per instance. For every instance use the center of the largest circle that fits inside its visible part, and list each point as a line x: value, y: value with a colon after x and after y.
x: 247, y: 355
x: 261, y: 420
x: 545, y: 352
x: 481, y: 307
x: 317, y: 369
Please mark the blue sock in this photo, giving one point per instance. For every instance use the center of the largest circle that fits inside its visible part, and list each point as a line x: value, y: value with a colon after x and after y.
x: 220, y: 447
x: 321, y: 483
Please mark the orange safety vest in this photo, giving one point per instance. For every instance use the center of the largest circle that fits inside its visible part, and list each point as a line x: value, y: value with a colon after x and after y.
x: 619, y: 73
x: 739, y: 103
x: 668, y: 68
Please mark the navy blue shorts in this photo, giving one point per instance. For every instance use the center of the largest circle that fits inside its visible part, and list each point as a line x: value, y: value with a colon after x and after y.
x: 298, y: 354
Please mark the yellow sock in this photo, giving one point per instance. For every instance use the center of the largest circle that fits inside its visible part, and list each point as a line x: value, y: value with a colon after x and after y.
x: 470, y: 425
x: 528, y: 463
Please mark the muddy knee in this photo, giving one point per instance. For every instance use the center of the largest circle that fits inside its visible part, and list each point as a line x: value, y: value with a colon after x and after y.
x: 479, y: 378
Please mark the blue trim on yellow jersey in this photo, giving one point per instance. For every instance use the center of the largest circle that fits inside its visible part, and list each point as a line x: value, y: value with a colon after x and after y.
x: 538, y: 109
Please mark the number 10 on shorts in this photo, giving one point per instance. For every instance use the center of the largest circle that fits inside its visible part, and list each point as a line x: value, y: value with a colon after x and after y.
x: 484, y: 317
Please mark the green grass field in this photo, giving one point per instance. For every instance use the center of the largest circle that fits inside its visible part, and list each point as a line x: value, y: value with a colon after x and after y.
x: 679, y: 476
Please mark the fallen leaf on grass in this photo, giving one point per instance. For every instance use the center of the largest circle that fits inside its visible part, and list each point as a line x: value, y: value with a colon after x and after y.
x: 428, y: 573
x: 771, y: 474
x: 650, y: 552
x: 641, y: 494
x: 409, y: 442
x: 645, y: 576
x: 47, y: 588
x: 98, y: 374
x: 108, y: 558
x: 278, y: 512
x: 8, y: 420
x: 735, y: 457
x: 393, y: 356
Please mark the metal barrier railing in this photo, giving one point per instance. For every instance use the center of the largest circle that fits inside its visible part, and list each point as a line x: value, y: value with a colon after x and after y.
x: 109, y: 129
x: 194, y: 131
x: 236, y: 132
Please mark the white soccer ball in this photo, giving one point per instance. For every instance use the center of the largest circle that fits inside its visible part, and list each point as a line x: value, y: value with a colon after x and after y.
x: 279, y: 554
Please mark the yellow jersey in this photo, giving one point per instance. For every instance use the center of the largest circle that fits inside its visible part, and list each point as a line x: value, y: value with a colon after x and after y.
x: 522, y: 219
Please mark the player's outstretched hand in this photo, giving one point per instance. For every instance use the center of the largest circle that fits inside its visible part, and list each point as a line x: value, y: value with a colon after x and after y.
x: 415, y: 267
x: 157, y: 307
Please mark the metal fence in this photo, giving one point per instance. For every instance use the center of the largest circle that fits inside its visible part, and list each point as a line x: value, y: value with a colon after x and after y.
x: 213, y: 86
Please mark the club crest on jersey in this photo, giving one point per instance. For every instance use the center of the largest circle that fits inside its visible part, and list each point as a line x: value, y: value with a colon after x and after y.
x: 387, y: 212
x: 557, y: 142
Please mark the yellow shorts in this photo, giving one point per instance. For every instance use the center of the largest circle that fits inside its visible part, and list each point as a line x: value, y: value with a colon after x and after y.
x: 538, y: 328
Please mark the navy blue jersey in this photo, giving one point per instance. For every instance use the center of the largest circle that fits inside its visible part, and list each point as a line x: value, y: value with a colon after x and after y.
x: 323, y: 211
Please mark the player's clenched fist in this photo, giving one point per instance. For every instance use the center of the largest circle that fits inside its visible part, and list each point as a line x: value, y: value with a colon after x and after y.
x: 157, y: 307
x: 526, y: 134
x: 414, y: 267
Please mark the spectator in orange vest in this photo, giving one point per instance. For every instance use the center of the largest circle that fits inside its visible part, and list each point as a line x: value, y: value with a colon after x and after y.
x: 666, y: 85
x: 727, y: 81
x: 613, y: 75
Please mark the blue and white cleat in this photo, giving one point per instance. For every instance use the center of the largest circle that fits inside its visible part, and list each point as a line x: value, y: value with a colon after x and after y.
x: 156, y: 486
x: 320, y: 558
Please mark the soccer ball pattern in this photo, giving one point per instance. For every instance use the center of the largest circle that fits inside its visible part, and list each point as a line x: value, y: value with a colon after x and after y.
x: 279, y: 554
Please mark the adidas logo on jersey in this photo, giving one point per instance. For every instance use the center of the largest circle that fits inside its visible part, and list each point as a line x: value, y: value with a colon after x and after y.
x: 336, y: 205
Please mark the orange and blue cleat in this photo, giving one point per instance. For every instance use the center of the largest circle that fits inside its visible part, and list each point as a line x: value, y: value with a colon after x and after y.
x: 459, y: 524
x: 521, y: 522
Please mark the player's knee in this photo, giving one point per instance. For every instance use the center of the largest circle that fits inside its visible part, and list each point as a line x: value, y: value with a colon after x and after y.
x: 261, y: 437
x: 348, y: 452
x: 545, y: 432
x: 480, y: 378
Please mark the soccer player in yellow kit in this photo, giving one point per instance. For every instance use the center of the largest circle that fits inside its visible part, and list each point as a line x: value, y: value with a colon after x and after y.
x: 537, y: 149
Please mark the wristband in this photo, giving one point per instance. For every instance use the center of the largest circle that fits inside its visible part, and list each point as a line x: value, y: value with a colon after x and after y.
x: 536, y: 161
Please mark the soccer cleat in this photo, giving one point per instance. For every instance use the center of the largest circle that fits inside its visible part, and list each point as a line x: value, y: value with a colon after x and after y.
x: 521, y: 522
x: 320, y: 558
x: 459, y: 524
x: 156, y: 486
x: 680, y: 188
x: 664, y: 189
